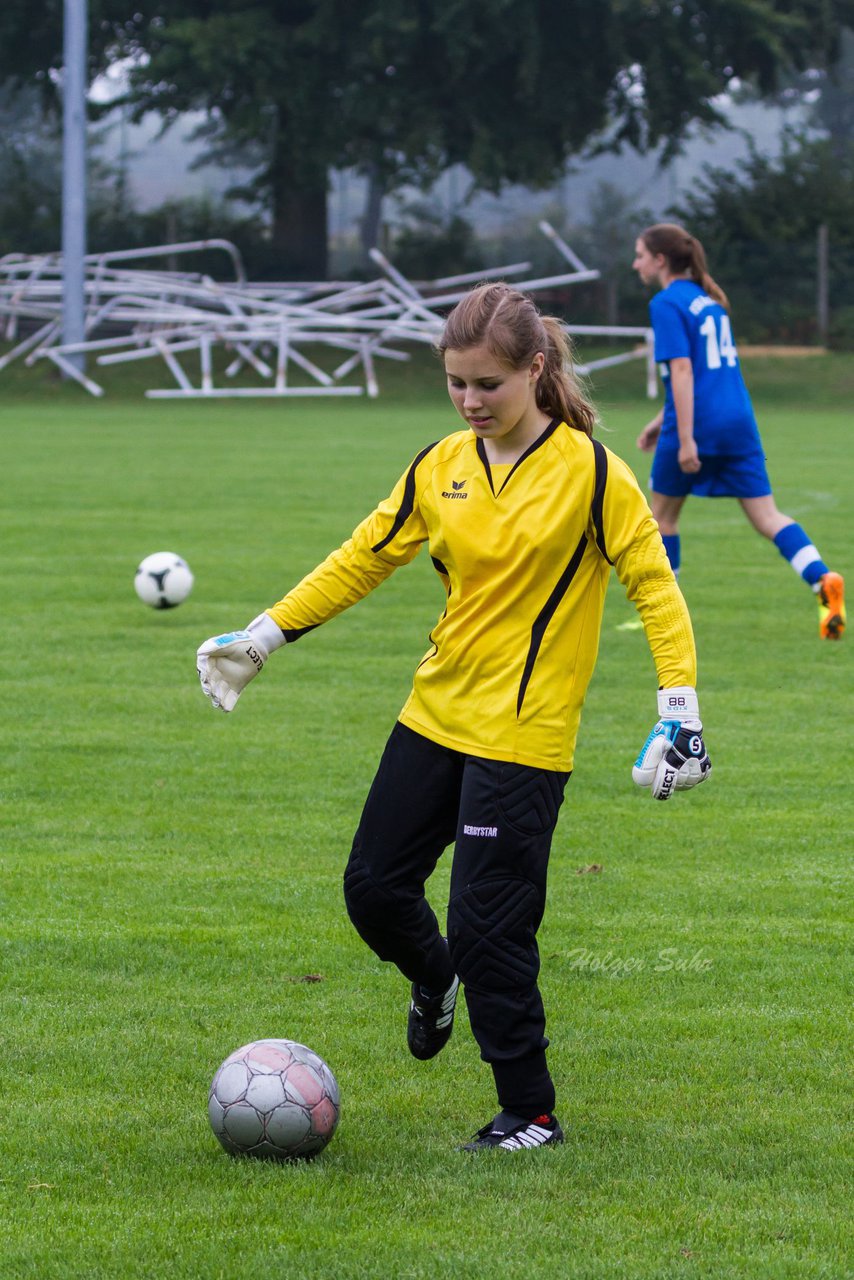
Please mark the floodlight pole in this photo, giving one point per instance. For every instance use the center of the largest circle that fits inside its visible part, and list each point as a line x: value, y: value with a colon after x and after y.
x: 822, y: 308
x: 74, y: 175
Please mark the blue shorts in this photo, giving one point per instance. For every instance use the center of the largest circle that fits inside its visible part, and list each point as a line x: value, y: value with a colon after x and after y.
x: 720, y: 476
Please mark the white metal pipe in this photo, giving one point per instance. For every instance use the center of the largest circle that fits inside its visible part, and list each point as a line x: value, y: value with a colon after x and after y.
x: 40, y: 336
x: 177, y: 372
x: 223, y: 393
x: 561, y: 245
x: 473, y: 277
x: 72, y: 371
x: 393, y: 274
x: 205, y: 354
x: 162, y: 250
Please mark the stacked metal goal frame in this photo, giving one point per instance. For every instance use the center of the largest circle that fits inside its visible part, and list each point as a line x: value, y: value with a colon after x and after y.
x: 134, y: 313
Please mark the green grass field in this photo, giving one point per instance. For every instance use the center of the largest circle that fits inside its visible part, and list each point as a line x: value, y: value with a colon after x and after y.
x: 170, y: 875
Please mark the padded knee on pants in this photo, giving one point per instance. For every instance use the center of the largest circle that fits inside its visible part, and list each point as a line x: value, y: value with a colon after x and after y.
x: 492, y: 934
x: 368, y: 904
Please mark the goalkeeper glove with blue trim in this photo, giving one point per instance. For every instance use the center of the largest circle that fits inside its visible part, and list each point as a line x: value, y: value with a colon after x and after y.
x: 674, y: 756
x: 228, y: 662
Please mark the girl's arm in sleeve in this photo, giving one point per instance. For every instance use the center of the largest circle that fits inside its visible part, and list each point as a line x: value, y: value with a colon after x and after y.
x: 682, y: 383
x: 633, y: 544
x: 390, y: 536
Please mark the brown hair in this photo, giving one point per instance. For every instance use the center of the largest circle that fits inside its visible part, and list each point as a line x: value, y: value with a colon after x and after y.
x: 684, y: 253
x: 509, y: 324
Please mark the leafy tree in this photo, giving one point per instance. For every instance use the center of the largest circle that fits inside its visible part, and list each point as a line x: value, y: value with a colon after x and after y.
x: 30, y: 199
x: 835, y: 108
x: 510, y: 88
x: 831, y: 94
x: 759, y: 224
x: 30, y: 176
x: 429, y: 245
x: 606, y: 241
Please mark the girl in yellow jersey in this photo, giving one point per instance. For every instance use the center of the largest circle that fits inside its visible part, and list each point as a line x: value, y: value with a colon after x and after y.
x: 524, y: 515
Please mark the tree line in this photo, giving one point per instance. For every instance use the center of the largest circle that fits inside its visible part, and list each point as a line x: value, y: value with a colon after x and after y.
x: 511, y: 89
x: 400, y: 90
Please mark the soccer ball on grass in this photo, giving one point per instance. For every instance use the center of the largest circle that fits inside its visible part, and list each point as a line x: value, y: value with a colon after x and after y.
x: 163, y: 580
x: 274, y: 1099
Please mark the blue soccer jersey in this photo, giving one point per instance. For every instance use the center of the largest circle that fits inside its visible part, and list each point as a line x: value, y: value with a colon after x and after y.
x: 688, y: 323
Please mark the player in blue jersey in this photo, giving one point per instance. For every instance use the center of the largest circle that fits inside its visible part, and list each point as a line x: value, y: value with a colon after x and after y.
x: 705, y: 438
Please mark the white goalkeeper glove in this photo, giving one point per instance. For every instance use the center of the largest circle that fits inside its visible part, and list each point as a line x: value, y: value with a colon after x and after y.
x: 227, y: 663
x: 674, y: 756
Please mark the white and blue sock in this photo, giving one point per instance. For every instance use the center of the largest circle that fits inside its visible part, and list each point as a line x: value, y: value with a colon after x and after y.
x: 794, y: 544
x: 673, y: 547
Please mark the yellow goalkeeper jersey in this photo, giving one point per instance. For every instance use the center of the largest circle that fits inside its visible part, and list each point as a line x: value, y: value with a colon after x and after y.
x: 524, y: 553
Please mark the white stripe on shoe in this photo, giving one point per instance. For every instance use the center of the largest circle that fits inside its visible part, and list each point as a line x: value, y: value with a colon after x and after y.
x: 534, y: 1136
x: 447, y: 1014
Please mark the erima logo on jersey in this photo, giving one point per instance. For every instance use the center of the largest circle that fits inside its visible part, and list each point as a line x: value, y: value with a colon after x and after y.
x: 456, y: 490
x: 479, y: 831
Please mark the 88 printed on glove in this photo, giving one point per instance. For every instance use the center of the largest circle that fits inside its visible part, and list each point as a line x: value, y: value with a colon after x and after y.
x: 674, y: 756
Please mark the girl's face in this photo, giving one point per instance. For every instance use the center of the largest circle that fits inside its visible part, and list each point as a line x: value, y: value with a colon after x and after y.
x: 497, y: 403
x: 649, y: 266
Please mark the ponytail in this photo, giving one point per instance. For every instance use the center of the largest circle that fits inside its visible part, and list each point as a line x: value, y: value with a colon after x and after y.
x: 685, y: 255
x: 559, y: 391
x: 509, y: 324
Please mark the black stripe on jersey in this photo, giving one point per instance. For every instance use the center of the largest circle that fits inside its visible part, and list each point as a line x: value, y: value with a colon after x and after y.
x: 545, y: 615
x: 541, y: 439
x: 294, y: 633
x: 404, y: 511
x: 481, y: 453
x: 600, y: 458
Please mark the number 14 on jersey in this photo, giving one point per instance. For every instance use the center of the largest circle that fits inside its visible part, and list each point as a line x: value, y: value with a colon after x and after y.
x: 719, y: 345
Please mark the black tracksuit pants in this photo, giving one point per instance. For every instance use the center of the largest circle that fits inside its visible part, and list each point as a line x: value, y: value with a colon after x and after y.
x: 501, y: 818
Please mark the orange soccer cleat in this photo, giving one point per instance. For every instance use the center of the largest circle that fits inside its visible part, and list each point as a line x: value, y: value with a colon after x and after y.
x: 831, y: 607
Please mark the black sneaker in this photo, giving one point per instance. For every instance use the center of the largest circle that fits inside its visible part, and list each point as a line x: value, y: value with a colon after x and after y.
x: 431, y: 1021
x: 512, y: 1133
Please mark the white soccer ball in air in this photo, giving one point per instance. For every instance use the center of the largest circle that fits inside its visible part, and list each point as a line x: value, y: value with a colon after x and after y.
x: 274, y: 1099
x: 163, y: 580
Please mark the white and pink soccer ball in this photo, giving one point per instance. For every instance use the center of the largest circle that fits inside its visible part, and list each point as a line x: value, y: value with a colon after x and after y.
x: 274, y: 1099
